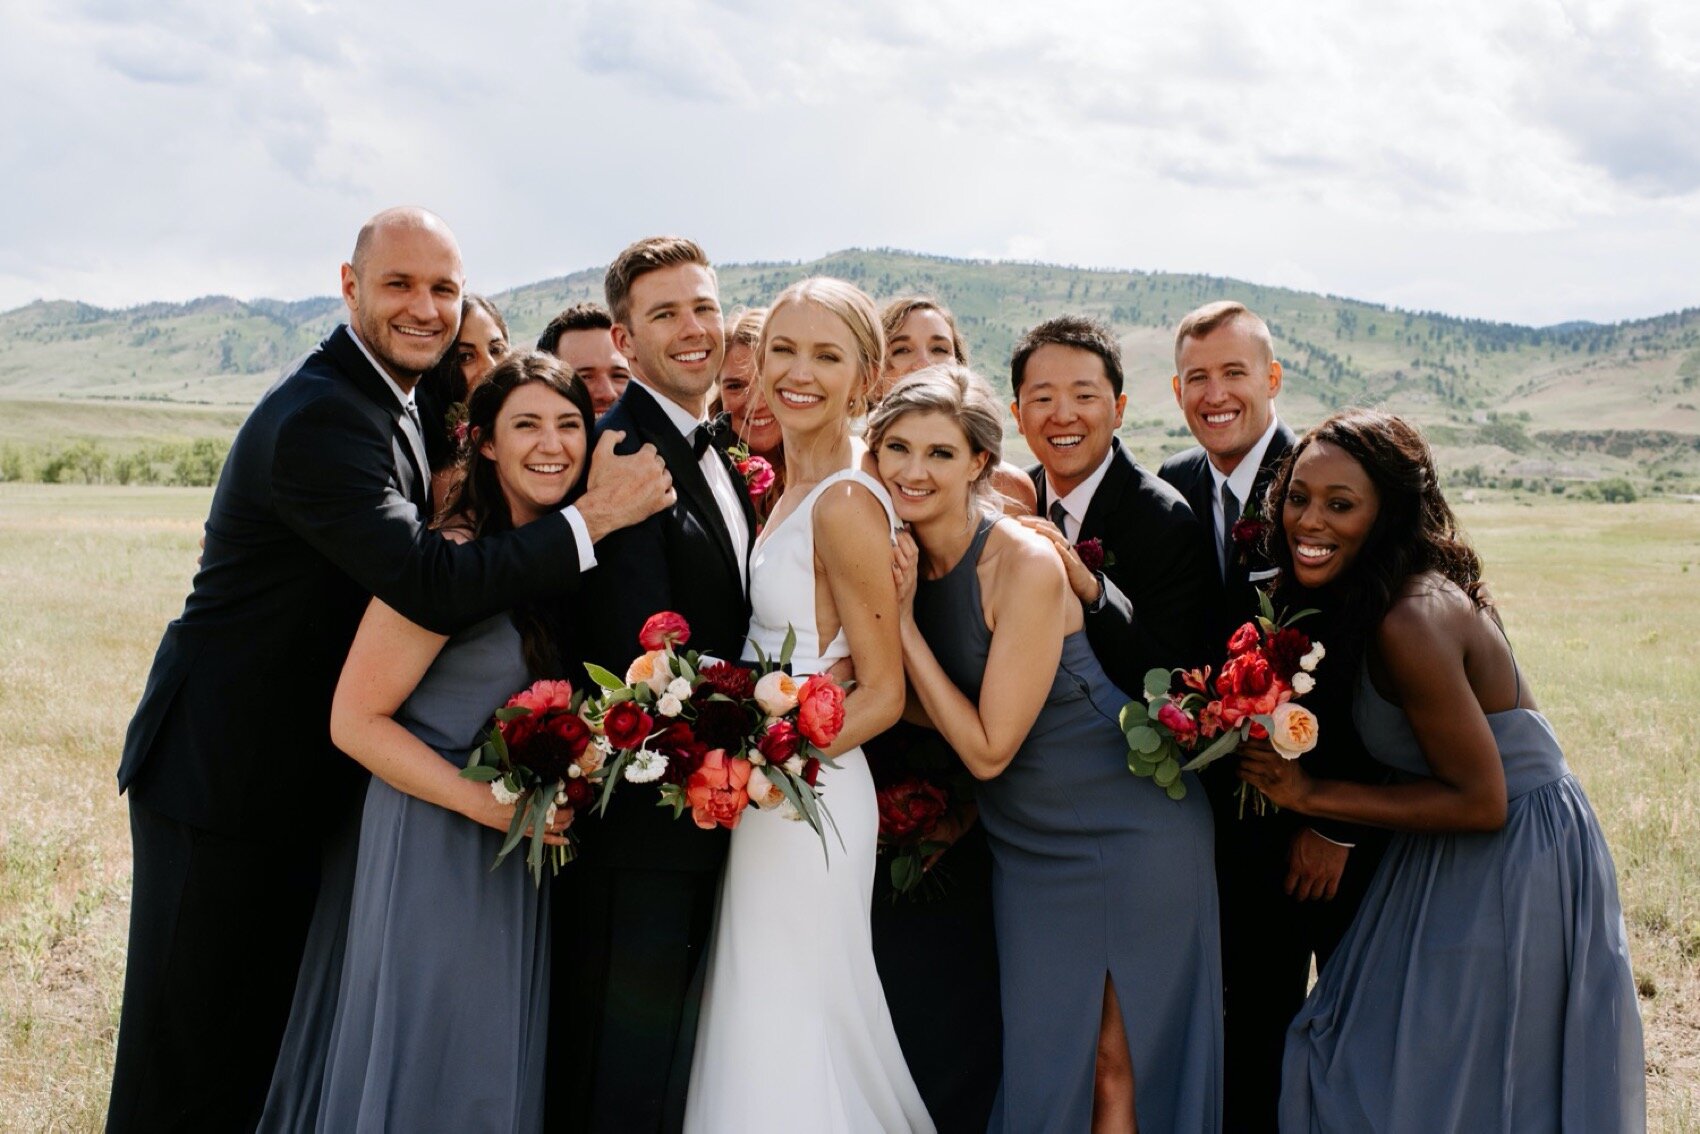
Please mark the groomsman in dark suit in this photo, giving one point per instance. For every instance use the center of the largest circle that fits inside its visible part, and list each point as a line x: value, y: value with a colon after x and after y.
x: 235, y: 789
x: 1288, y: 888
x: 1146, y: 607
x: 634, y: 911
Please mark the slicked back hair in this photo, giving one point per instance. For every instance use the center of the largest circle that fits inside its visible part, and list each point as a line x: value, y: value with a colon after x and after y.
x: 648, y: 255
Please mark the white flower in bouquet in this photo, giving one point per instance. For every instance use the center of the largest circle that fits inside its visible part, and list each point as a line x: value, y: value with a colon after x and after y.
x: 504, y: 796
x: 679, y: 688
x: 794, y: 765
x: 762, y: 791
x: 646, y: 767
x: 1309, y: 662
x: 1303, y: 683
x: 560, y: 799
x: 669, y: 705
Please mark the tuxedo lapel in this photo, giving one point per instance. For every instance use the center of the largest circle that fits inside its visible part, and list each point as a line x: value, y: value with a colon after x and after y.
x: 413, y: 471
x: 1107, y: 500
x: 687, y: 473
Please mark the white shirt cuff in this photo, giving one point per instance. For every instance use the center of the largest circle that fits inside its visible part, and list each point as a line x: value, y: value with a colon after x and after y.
x: 1326, y: 839
x: 581, y: 536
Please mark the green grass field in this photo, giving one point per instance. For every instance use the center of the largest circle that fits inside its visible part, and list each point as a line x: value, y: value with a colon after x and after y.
x: 1600, y: 600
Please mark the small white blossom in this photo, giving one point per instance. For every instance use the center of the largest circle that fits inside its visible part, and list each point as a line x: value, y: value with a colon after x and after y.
x: 499, y: 789
x: 794, y: 765
x: 679, y: 688
x: 788, y: 810
x: 669, y: 705
x: 603, y: 744
x: 1303, y: 683
x: 1309, y: 662
x: 756, y: 758
x: 549, y: 816
x: 646, y: 767
x: 560, y: 800
x: 574, y: 771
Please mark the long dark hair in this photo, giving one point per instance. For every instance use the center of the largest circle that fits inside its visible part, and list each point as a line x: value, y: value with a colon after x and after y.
x: 1414, y: 532
x: 444, y: 386
x: 476, y: 503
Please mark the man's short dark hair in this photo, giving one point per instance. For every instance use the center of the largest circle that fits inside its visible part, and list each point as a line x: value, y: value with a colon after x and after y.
x: 586, y: 316
x: 648, y: 255
x: 1076, y: 331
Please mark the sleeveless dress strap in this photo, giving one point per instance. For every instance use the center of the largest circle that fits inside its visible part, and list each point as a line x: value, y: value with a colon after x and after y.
x: 870, y: 483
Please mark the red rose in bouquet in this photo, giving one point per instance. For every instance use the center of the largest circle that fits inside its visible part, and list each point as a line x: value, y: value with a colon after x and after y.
x: 626, y: 726
x: 665, y: 630
x: 1247, y: 637
x: 540, y: 699
x: 1249, y: 688
x: 778, y: 742
x: 717, y: 792
x: 910, y: 810
x: 820, y: 710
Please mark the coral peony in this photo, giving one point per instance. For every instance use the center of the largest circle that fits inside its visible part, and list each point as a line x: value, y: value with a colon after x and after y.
x: 820, y: 710
x: 911, y: 809
x: 718, y: 790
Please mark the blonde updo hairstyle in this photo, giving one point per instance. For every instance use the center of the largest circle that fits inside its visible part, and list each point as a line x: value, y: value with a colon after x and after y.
x: 951, y: 389
x: 855, y: 309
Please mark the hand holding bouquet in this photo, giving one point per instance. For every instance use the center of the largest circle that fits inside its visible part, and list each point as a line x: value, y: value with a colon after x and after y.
x: 540, y: 755
x: 1269, y: 664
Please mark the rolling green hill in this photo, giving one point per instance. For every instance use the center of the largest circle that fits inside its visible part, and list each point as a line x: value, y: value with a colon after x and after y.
x: 1539, y: 405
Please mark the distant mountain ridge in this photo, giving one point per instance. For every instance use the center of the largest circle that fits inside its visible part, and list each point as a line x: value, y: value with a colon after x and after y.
x: 1497, y: 394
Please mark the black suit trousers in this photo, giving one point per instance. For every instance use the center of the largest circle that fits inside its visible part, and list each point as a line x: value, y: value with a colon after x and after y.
x: 216, y: 931
x: 1268, y: 939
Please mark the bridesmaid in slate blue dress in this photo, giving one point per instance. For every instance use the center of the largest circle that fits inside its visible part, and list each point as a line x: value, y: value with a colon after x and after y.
x: 1485, y: 983
x: 433, y: 1015
x: 1104, y: 896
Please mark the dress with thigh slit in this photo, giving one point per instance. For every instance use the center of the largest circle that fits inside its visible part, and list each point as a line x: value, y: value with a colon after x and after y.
x: 1096, y: 874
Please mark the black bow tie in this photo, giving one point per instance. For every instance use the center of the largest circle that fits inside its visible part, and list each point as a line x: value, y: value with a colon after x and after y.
x: 714, y: 431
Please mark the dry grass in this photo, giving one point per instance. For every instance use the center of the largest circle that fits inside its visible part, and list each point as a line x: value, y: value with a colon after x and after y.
x: 1600, y: 600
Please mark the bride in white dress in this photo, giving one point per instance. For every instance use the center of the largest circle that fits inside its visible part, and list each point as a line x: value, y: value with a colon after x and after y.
x: 794, y: 1034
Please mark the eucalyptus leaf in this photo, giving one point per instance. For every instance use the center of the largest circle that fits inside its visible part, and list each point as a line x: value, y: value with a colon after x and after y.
x: 516, y: 831
x: 480, y: 773
x: 1139, y: 767
x: 1157, y: 682
x: 616, y: 767
x: 1133, y: 713
x: 602, y: 677
x: 789, y: 644
x: 1177, y: 790
x: 1305, y: 613
x: 1265, y: 606
x: 1222, y: 746
x: 1146, y: 740
x: 512, y: 713
x: 905, y: 873
x: 1167, y: 773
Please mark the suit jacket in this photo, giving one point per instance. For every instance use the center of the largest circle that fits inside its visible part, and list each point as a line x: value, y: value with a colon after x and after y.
x: 680, y: 559
x: 1339, y: 753
x: 1189, y: 471
x: 1162, y: 584
x: 318, y: 508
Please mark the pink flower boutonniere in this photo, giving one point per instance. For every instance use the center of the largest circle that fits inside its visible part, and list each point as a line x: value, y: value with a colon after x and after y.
x: 757, y: 471
x: 456, y: 423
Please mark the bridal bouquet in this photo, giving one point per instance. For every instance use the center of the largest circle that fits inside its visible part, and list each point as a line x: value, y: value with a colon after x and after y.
x: 540, y: 755
x: 925, y: 799
x: 1269, y: 664
x: 718, y: 736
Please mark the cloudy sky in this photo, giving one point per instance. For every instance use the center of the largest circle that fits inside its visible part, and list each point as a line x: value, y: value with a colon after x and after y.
x: 1526, y: 160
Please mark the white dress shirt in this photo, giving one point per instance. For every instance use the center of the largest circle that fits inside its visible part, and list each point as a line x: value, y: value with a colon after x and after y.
x: 1077, y: 502
x: 715, y: 472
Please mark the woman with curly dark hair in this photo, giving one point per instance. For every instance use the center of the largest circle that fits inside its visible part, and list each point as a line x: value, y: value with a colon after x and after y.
x: 1485, y: 983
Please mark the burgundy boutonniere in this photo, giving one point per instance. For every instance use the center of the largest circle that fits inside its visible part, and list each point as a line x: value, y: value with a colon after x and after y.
x: 1093, y: 555
x: 757, y: 472
x: 1249, y: 533
x: 455, y: 424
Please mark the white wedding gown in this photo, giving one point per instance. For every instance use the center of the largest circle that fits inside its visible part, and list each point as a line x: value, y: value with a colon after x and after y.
x: 794, y: 1035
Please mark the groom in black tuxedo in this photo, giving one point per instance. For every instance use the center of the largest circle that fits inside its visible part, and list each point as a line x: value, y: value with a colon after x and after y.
x: 1288, y: 886
x: 633, y: 913
x: 235, y: 789
x: 1147, y: 606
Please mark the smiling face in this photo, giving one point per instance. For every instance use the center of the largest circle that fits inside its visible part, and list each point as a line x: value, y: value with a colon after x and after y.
x: 478, y: 346
x: 1225, y: 383
x: 538, y: 445
x: 741, y: 395
x: 589, y: 353
x: 1068, y: 412
x: 675, y: 339
x: 928, y: 466
x: 404, y: 300
x: 1328, y: 514
x: 922, y: 339
x: 811, y: 372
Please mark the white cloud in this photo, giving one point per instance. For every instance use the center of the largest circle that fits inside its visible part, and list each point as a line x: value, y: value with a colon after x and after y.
x: 1528, y: 160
